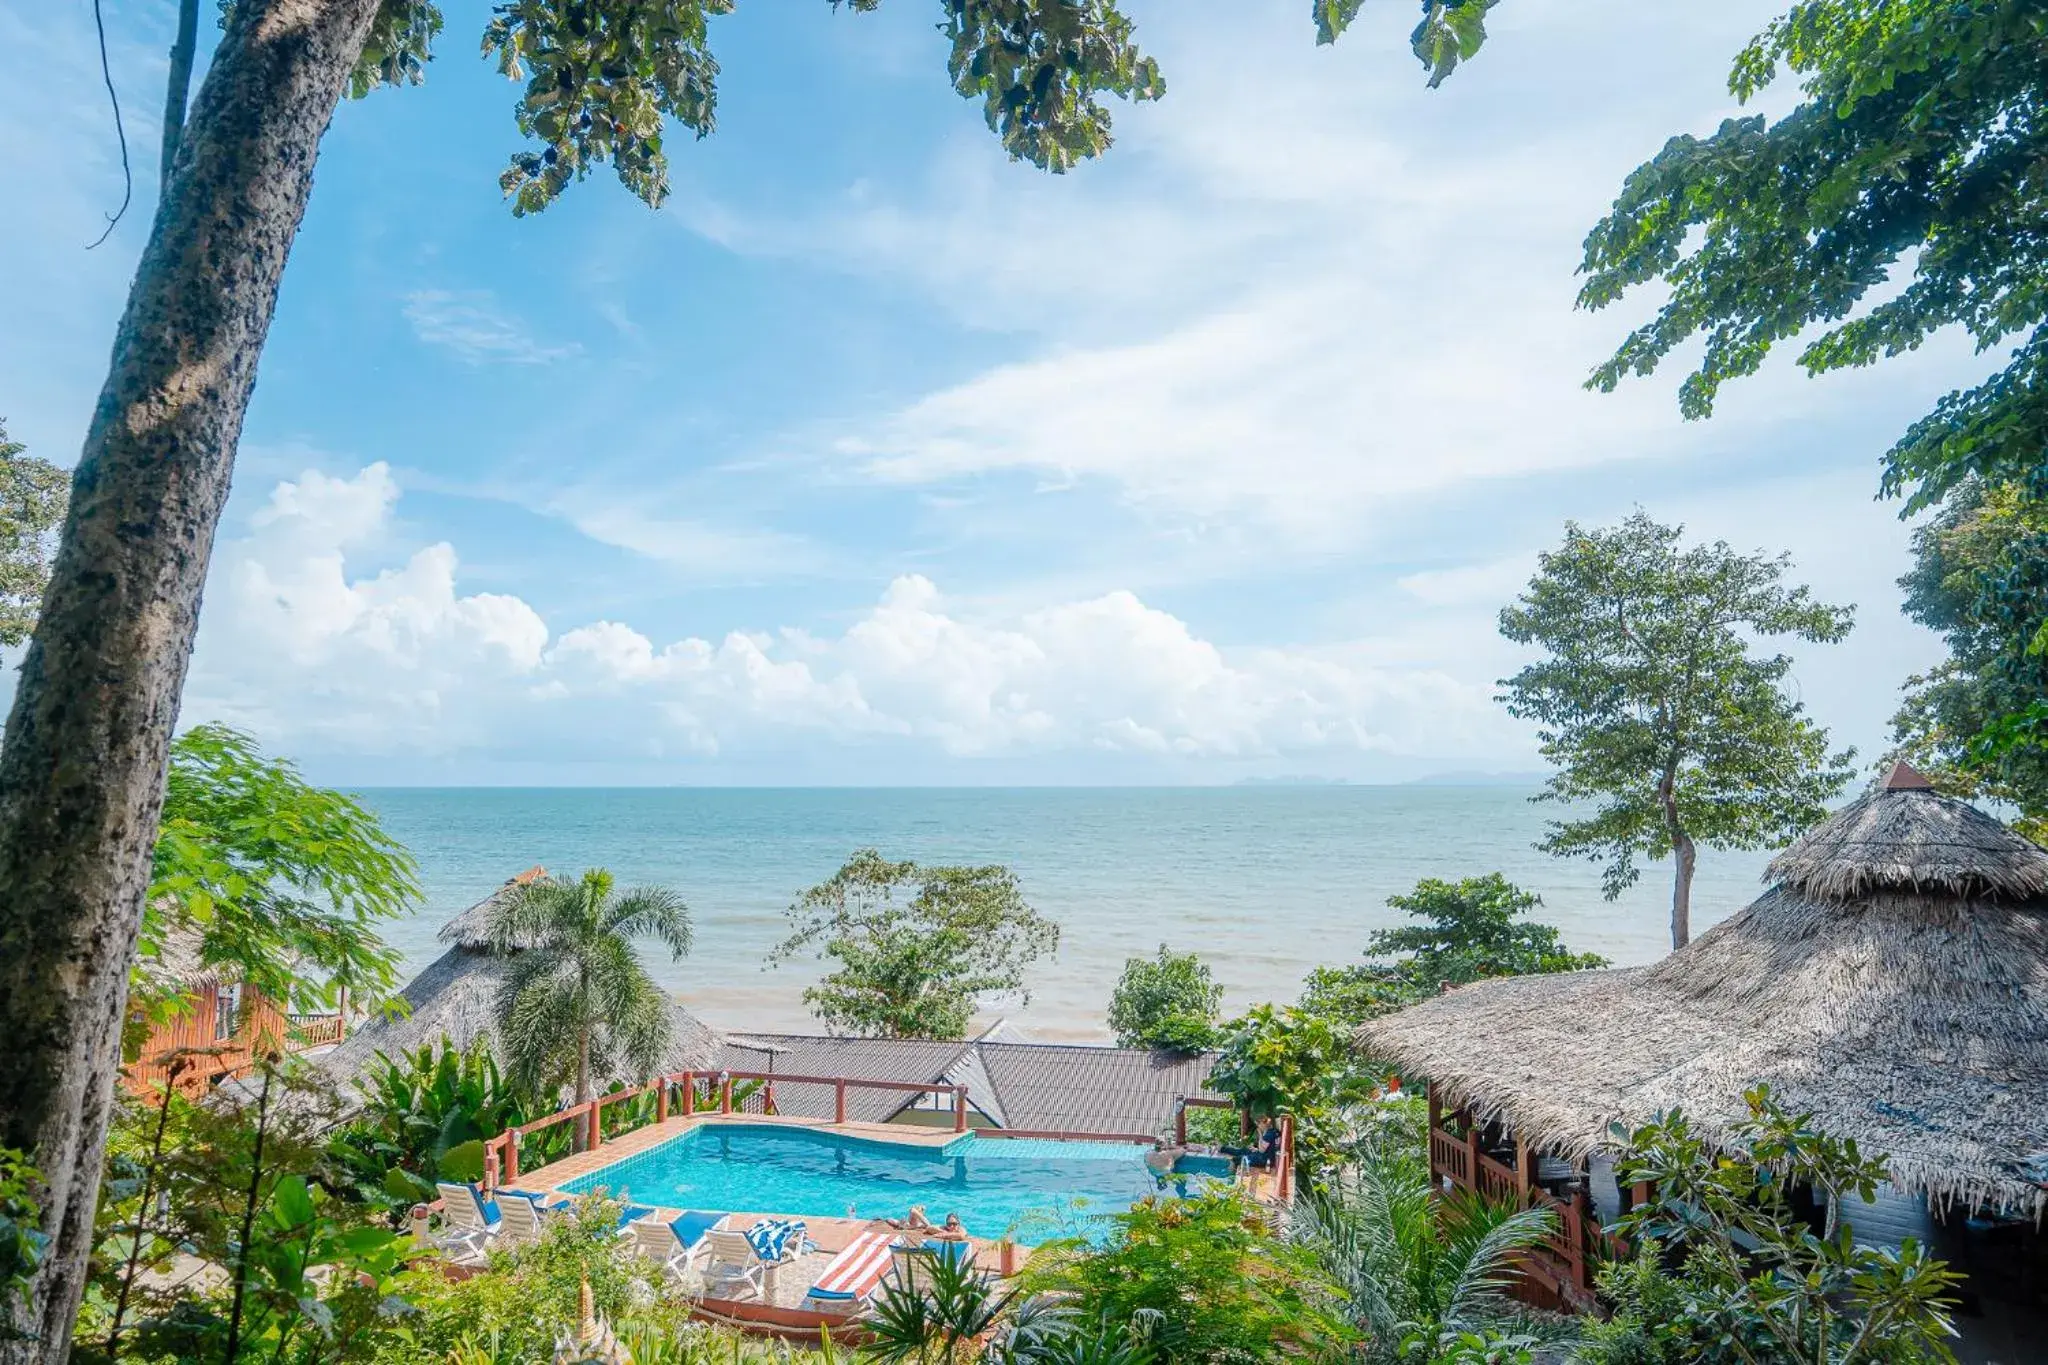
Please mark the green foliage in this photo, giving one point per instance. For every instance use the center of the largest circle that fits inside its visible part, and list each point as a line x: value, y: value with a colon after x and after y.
x: 1649, y: 701
x: 917, y: 949
x: 1759, y: 1282
x: 1422, y: 1277
x: 1980, y: 579
x: 1473, y: 929
x: 1209, y: 1276
x: 576, y: 1002
x: 21, y: 1237
x: 1286, y: 1061
x: 424, y: 1117
x: 284, y: 881
x: 1916, y: 150
x: 1346, y: 997
x: 1169, y: 1002
x: 33, y: 497
x: 292, y: 1274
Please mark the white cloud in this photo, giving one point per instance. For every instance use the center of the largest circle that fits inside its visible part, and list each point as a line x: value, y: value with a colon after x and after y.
x: 471, y: 324
x: 317, y: 654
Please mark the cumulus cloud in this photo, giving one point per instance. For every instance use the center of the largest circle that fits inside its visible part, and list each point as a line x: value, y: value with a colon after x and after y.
x: 310, y: 649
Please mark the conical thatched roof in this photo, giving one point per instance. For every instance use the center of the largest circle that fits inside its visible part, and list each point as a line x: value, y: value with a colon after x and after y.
x: 1894, y: 982
x: 471, y: 928
x: 456, y: 997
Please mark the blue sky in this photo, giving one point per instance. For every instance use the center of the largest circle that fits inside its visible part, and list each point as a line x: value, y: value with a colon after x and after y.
x: 874, y: 457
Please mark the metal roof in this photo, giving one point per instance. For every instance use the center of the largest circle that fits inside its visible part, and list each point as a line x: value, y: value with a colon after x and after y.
x: 1040, y: 1087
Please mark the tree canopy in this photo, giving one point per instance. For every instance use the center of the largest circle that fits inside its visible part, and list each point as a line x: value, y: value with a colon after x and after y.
x: 1980, y: 579
x: 33, y: 495
x: 1168, y: 1001
x: 577, y: 1002
x: 286, y: 881
x: 1471, y: 929
x: 1917, y: 154
x: 916, y: 949
x: 1650, y: 701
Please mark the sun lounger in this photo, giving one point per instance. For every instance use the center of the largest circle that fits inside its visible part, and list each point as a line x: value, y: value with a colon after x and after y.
x: 469, y: 1222
x: 523, y: 1216
x: 855, y: 1273
x: 746, y: 1257
x: 676, y: 1243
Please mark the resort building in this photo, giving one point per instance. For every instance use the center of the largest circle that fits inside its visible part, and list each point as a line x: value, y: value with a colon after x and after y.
x: 1892, y: 981
x: 220, y: 1029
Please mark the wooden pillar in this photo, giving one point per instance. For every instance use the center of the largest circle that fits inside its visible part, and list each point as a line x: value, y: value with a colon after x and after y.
x: 839, y: 1100
x: 490, y: 1168
x: 959, y: 1108
x: 1286, y: 1184
x: 596, y: 1126
x: 511, y: 1145
x: 1180, y: 1121
x: 725, y: 1096
x: 341, y: 1016
x: 689, y: 1094
x: 1525, y: 1170
x: 661, y: 1100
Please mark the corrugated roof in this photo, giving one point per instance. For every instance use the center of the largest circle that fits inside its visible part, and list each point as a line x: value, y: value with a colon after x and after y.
x: 1048, y: 1087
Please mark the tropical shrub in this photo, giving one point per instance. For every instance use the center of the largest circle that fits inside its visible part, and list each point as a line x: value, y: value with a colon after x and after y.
x: 1207, y: 1278
x: 1422, y: 1278
x: 1760, y: 1283
x: 1286, y: 1061
x: 425, y: 1117
x: 1169, y: 1001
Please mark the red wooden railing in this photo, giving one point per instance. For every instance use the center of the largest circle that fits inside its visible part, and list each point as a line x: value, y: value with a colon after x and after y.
x: 1577, y: 1243
x: 501, y: 1153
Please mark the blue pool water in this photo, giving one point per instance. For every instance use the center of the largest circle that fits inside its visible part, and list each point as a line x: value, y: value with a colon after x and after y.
x: 1028, y: 1189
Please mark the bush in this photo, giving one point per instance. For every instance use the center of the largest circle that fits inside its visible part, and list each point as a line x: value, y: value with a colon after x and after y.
x: 1169, y: 1001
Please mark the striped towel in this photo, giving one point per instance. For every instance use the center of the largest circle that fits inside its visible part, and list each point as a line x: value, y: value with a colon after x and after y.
x: 772, y: 1236
x: 856, y: 1270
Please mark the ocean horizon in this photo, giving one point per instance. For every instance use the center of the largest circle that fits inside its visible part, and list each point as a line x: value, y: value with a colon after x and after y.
x: 1266, y: 881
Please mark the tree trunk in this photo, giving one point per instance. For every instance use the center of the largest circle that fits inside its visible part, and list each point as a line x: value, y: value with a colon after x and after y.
x: 82, y: 770
x: 1684, y: 855
x: 582, y: 1081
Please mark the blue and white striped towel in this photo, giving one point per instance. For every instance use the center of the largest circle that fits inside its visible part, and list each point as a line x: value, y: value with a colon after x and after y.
x: 772, y: 1237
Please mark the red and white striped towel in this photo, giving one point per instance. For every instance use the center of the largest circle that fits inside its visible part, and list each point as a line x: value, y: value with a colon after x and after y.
x: 856, y: 1270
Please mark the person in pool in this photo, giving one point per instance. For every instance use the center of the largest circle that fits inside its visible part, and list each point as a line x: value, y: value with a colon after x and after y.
x: 1163, y: 1157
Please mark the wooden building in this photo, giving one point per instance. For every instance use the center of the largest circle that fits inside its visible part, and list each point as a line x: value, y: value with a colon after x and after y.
x: 1892, y: 981
x: 219, y: 1029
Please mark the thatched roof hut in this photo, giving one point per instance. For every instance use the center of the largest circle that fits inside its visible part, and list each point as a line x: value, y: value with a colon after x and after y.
x: 456, y: 996
x: 1893, y: 980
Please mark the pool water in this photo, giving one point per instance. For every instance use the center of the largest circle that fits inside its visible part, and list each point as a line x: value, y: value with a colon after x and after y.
x: 1029, y: 1189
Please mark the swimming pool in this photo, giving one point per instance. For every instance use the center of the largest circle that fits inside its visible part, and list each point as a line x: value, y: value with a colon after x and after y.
x: 1029, y: 1189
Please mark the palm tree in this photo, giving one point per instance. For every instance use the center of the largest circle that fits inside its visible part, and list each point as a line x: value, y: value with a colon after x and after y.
x: 576, y: 1000
x: 1420, y: 1271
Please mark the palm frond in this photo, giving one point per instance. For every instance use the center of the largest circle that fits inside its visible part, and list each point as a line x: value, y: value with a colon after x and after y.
x: 652, y: 912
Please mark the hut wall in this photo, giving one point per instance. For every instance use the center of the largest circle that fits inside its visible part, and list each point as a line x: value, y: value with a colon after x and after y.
x: 219, y: 1030
x: 1890, y: 1218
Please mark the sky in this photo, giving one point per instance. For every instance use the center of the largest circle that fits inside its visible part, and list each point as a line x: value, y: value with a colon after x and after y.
x: 876, y: 458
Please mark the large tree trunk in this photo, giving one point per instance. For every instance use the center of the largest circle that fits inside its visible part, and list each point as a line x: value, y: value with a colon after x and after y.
x: 82, y: 771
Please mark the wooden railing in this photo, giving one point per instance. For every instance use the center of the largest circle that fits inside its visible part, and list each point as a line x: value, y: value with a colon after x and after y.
x: 1451, y: 1157
x: 678, y: 1090
x: 1565, y: 1260
x: 314, y: 1030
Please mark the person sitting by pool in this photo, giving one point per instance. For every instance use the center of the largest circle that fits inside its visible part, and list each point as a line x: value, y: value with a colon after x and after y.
x: 1267, y: 1153
x: 953, y: 1231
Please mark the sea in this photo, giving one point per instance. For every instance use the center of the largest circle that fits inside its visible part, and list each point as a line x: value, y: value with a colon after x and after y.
x: 1264, y: 882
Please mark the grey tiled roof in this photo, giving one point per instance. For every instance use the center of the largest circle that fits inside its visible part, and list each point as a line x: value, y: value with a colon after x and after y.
x: 1050, y: 1087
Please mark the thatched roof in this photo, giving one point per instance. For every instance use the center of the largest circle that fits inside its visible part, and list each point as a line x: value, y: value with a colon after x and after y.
x: 456, y: 997
x: 471, y: 928
x: 1894, y: 982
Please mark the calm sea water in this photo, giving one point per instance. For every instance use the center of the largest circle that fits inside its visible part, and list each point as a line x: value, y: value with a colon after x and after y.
x: 1264, y: 882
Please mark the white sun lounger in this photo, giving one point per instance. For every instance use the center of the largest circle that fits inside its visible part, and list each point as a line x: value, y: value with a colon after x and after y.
x: 466, y: 1230
x: 676, y: 1243
x: 732, y: 1252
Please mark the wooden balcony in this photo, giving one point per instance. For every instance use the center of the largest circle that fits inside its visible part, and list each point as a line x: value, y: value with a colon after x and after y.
x: 190, y: 1054
x: 1560, y: 1273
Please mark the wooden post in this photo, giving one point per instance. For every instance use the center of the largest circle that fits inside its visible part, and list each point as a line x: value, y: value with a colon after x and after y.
x: 1525, y: 1170
x: 510, y: 1142
x: 341, y: 1016
x: 689, y: 1094
x: 1286, y: 1183
x: 1471, y: 1146
x: 1180, y: 1121
x: 959, y: 1108
x: 490, y: 1168
x: 661, y: 1100
x: 596, y: 1126
x: 725, y: 1096
x: 1006, y: 1258
x: 839, y: 1100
